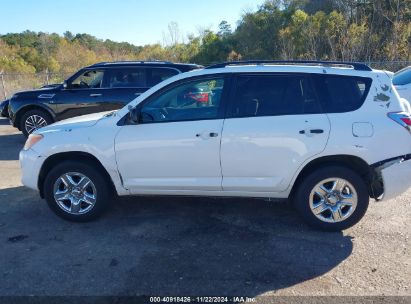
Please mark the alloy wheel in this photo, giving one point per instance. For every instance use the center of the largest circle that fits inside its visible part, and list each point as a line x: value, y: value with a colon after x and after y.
x: 333, y: 200
x: 34, y: 122
x: 75, y: 193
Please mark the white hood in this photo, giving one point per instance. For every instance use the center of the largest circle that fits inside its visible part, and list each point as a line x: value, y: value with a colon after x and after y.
x: 83, y: 121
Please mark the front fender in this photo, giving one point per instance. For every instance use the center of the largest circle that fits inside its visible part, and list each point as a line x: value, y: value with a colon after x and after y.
x: 16, y: 111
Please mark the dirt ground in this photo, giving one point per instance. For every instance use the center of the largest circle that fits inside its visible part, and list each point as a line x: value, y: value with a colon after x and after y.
x: 194, y: 246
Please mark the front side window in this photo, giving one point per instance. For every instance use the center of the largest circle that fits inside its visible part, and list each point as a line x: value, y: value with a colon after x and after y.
x: 91, y: 79
x: 195, y: 100
x: 128, y: 78
x: 272, y: 95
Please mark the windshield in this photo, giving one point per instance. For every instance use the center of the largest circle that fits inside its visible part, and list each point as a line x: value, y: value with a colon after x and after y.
x: 402, y: 77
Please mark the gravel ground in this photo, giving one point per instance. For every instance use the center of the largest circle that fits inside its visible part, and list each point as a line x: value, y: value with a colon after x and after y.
x: 192, y: 246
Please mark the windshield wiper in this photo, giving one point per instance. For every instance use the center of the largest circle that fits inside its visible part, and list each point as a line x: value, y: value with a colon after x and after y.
x: 111, y: 113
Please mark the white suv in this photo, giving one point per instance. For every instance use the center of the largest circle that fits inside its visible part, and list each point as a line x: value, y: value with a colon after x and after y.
x: 326, y: 135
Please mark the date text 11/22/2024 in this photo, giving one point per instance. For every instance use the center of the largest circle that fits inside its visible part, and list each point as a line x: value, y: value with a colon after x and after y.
x: 237, y: 299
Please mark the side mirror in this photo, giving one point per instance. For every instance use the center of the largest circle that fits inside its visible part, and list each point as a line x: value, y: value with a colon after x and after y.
x: 134, y: 114
x: 65, y: 84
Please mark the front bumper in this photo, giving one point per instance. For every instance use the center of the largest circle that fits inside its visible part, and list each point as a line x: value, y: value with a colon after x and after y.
x: 396, y: 177
x: 30, y: 163
x: 4, y: 111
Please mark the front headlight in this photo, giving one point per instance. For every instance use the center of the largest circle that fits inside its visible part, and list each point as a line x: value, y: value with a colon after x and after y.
x: 32, y: 140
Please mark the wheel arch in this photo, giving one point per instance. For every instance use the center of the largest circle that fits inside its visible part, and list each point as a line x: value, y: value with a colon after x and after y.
x: 72, y: 155
x: 355, y: 163
x: 30, y: 107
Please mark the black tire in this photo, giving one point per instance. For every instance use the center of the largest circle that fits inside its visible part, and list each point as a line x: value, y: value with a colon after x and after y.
x: 102, y: 188
x: 301, y: 198
x: 34, y: 113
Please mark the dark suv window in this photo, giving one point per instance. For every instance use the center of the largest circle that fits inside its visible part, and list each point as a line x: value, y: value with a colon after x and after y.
x: 128, y: 78
x: 90, y: 79
x: 157, y: 75
x: 271, y: 95
x: 342, y: 93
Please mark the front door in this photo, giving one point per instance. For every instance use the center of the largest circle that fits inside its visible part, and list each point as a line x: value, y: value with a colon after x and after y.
x: 84, y: 95
x: 274, y: 125
x: 176, y: 144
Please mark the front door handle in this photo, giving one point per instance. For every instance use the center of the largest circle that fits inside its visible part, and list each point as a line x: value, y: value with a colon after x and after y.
x: 96, y: 95
x: 206, y: 135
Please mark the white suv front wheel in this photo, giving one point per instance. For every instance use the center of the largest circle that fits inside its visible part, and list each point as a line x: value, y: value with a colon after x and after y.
x: 77, y: 191
x: 332, y: 198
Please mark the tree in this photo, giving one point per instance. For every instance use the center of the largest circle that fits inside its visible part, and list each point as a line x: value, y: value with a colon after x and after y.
x: 68, y: 35
x: 224, y: 29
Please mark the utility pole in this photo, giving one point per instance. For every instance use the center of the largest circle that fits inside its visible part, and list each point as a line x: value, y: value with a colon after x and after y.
x: 47, y: 76
x: 3, y: 84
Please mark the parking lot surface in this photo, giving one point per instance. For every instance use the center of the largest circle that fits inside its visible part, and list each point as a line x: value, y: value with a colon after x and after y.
x: 193, y: 246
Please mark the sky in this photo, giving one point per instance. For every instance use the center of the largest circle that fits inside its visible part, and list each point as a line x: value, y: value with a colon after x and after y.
x: 138, y: 22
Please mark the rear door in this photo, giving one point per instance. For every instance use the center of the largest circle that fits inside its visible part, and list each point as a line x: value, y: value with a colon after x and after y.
x: 124, y: 85
x: 273, y: 126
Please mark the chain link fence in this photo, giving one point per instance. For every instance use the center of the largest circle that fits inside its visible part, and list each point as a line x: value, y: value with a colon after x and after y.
x: 392, y: 66
x: 11, y: 83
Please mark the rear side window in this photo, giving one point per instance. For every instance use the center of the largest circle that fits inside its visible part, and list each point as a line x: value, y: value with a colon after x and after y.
x: 272, y: 95
x: 402, y: 77
x: 339, y: 94
x: 128, y: 78
x: 158, y: 75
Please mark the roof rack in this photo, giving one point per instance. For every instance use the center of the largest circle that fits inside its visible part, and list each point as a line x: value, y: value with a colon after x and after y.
x: 355, y: 65
x: 132, y: 61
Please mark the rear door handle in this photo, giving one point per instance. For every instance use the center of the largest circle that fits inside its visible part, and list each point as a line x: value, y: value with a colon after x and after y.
x: 96, y: 95
x: 316, y: 131
x: 312, y: 131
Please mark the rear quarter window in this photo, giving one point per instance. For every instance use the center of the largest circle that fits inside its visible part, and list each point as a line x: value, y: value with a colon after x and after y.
x: 339, y: 94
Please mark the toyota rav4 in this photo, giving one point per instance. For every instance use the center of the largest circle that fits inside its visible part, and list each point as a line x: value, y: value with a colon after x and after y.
x: 326, y: 135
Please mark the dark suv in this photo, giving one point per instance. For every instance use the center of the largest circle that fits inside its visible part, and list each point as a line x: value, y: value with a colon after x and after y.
x: 100, y: 87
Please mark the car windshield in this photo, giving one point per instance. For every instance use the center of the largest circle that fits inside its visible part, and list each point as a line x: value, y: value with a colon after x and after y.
x: 402, y: 77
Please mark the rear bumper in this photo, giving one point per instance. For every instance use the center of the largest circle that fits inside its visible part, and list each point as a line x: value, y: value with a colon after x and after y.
x: 396, y: 177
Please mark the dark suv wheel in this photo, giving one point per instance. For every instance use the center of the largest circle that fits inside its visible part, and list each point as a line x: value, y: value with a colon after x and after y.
x: 332, y: 198
x: 76, y: 191
x: 33, y: 120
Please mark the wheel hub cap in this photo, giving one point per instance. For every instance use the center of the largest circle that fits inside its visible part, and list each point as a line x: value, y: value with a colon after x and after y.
x: 333, y: 200
x: 75, y: 193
